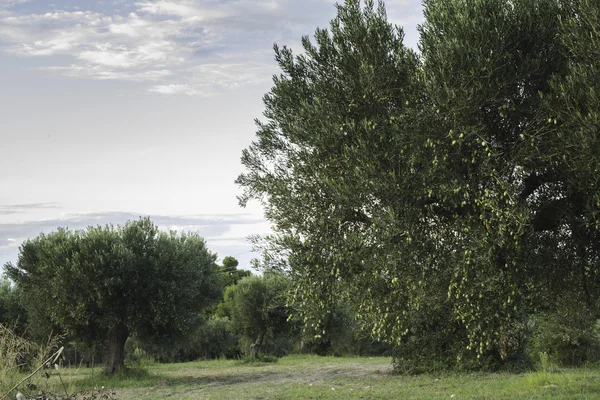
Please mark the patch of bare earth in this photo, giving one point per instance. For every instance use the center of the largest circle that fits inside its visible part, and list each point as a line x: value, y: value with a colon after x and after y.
x: 241, y: 381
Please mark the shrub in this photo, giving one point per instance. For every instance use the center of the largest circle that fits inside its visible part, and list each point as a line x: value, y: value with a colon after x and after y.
x: 216, y: 340
x: 569, y: 337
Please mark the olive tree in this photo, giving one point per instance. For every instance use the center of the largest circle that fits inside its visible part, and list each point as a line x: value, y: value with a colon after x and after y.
x: 257, y: 307
x: 105, y: 283
x: 450, y: 192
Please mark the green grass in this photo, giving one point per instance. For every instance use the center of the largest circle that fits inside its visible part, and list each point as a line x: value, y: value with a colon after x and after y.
x: 312, y: 377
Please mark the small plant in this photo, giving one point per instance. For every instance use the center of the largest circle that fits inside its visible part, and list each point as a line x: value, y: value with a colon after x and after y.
x: 545, y: 377
x: 12, y: 351
x: 569, y: 336
x: 18, y: 354
x: 544, y: 363
x: 33, y: 386
x: 53, y: 358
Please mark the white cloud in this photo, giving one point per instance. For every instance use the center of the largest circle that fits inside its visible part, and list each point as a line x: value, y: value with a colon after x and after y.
x: 133, y: 27
x: 191, y: 47
x: 10, y: 3
x: 99, y: 73
x: 108, y: 55
x: 225, y: 233
x: 101, y: 46
x: 166, y: 7
x: 210, y: 79
x: 232, y: 75
x: 61, y: 44
x: 176, y: 89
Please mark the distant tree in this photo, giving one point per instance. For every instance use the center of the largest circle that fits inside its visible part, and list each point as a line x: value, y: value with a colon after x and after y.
x: 230, y: 271
x: 230, y: 264
x: 257, y: 306
x: 215, y: 339
x: 105, y: 283
x: 13, y: 314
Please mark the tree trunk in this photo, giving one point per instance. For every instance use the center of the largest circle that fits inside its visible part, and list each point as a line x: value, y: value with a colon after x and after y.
x: 305, y: 347
x: 255, y: 348
x: 116, y: 349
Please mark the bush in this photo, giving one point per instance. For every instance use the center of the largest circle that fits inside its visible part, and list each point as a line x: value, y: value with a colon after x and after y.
x: 570, y: 337
x: 135, y: 355
x: 216, y: 340
x: 260, y: 314
x: 440, y: 344
x: 282, y: 344
x: 12, y: 349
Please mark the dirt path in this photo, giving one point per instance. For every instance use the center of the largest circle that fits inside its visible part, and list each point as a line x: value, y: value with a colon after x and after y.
x: 260, y: 382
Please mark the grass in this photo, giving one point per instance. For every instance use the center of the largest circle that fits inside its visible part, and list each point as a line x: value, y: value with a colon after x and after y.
x: 312, y: 377
x: 12, y: 349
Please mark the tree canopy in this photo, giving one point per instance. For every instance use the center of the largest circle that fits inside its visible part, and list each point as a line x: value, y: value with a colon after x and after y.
x: 451, y: 192
x: 231, y: 273
x: 105, y: 283
x: 12, y: 313
x: 257, y: 308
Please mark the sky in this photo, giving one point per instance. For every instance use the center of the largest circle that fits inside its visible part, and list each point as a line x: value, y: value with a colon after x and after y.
x: 115, y: 109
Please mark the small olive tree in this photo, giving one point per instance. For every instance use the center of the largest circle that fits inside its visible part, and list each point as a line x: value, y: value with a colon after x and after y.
x: 258, y: 311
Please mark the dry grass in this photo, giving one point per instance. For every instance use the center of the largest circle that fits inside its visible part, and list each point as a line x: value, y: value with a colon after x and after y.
x: 11, y: 347
x: 14, y: 350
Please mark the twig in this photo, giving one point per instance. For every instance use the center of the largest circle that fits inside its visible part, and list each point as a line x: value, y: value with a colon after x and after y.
x: 52, y: 359
x: 61, y: 381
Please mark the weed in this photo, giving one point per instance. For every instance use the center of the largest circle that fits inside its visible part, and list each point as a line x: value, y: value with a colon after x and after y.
x: 544, y: 361
x: 18, y: 354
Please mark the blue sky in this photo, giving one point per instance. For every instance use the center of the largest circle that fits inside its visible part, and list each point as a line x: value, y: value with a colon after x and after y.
x: 114, y: 109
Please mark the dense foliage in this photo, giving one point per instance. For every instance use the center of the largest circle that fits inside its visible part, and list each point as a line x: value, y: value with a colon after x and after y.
x: 12, y: 312
x: 453, y: 192
x: 257, y: 307
x: 231, y: 273
x: 105, y: 283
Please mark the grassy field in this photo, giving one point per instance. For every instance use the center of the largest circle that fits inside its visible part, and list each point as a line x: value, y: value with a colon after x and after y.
x: 311, y: 377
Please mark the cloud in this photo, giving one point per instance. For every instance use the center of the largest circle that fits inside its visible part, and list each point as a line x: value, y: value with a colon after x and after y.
x: 99, y: 73
x: 7, y: 212
x: 209, y: 45
x: 176, y: 89
x: 17, y: 208
x: 211, y: 79
x: 184, y: 47
x: 165, y: 7
x: 232, y: 75
x: 225, y: 233
x: 11, y: 3
x: 5, y: 241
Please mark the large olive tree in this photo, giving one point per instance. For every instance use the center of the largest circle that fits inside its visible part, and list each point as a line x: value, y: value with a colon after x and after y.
x: 450, y: 192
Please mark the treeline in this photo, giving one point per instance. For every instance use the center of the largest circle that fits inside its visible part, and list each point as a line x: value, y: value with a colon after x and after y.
x: 118, y: 295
